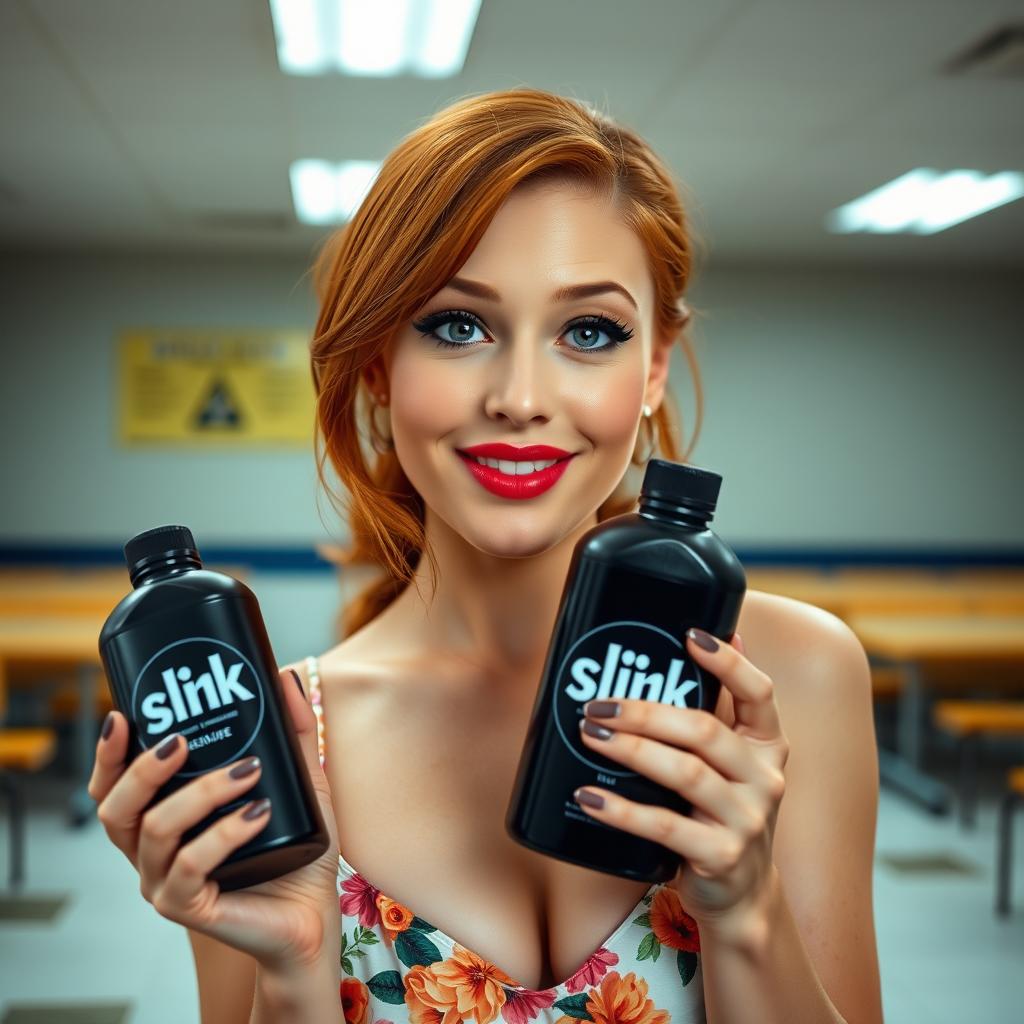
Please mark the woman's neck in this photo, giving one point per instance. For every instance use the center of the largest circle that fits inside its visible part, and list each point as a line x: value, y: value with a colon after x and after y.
x: 496, y: 614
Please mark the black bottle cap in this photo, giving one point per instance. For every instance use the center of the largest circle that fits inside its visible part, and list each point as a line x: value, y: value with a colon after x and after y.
x: 161, y: 542
x: 681, y: 484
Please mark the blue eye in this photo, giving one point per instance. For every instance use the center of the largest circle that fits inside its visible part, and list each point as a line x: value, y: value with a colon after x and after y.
x: 590, y: 326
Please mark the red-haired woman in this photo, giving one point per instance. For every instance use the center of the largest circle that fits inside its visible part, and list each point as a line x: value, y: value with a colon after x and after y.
x: 515, y: 277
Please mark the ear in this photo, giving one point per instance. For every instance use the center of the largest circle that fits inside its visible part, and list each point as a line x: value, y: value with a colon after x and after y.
x: 375, y: 376
x: 657, y: 376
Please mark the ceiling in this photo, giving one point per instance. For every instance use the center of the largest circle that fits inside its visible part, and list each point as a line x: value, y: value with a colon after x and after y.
x: 155, y: 125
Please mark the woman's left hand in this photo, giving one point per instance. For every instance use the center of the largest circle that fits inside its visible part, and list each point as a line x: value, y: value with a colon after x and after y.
x: 732, y: 776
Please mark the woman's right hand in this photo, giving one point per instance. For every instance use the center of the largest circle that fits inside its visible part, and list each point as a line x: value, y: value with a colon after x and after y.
x: 283, y: 923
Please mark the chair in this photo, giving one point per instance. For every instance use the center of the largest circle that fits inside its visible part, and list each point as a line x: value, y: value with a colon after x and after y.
x: 1014, y: 793
x: 21, y: 750
x: 968, y: 721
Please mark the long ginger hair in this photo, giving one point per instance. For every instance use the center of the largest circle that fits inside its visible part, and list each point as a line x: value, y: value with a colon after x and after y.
x: 421, y: 219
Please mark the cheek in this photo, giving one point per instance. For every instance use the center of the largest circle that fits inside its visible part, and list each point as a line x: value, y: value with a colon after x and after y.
x: 427, y: 401
x: 606, y: 409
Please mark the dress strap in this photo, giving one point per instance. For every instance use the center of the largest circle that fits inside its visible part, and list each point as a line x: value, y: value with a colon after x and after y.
x: 316, y: 700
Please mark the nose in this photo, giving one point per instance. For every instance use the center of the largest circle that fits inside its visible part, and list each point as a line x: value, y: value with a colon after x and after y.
x: 517, y: 391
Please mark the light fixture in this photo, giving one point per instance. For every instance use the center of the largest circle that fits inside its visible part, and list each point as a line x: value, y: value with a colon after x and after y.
x: 376, y: 38
x: 327, y: 193
x: 924, y: 201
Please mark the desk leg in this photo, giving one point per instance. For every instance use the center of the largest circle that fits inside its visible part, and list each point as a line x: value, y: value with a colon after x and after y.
x: 910, y: 714
x: 81, y: 806
x: 902, y: 770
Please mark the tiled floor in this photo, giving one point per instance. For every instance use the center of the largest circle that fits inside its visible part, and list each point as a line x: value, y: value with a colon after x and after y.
x: 945, y: 957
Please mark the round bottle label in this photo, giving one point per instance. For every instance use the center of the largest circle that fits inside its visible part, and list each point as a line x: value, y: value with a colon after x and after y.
x: 205, y: 689
x: 621, y: 660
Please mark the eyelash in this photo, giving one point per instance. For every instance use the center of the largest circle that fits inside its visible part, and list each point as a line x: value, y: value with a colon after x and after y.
x: 616, y: 330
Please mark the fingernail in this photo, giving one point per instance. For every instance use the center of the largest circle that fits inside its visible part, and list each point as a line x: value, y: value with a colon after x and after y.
x: 601, y: 708
x: 597, y: 731
x: 108, y: 725
x: 168, y: 746
x: 702, y: 639
x: 298, y: 682
x: 244, y: 768
x: 588, y: 799
x: 256, y: 809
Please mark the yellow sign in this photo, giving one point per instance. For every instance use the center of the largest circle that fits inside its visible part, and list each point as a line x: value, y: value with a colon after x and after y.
x: 215, y: 386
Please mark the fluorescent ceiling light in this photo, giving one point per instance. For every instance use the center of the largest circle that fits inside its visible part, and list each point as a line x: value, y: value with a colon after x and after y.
x: 924, y: 201
x: 376, y: 38
x: 326, y: 193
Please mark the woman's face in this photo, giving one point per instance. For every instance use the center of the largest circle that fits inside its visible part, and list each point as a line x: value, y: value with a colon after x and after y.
x: 524, y: 367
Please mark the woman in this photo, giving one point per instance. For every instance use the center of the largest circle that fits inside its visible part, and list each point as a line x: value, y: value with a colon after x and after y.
x: 515, y: 277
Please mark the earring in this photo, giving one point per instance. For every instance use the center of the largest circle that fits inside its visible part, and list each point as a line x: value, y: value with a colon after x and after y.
x: 648, y: 427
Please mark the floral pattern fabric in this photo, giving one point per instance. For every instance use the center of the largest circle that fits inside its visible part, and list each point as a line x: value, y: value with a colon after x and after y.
x: 397, y: 967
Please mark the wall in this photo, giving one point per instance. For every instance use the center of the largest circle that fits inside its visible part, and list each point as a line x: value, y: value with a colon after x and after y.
x: 843, y: 407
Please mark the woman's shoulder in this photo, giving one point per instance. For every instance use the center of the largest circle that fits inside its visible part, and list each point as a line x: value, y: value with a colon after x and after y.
x: 802, y: 648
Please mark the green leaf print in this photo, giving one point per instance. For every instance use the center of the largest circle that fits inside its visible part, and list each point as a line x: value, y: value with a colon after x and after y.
x: 687, y: 964
x: 646, y: 948
x: 644, y: 920
x: 575, y: 1006
x: 422, y: 926
x: 388, y: 988
x: 413, y: 947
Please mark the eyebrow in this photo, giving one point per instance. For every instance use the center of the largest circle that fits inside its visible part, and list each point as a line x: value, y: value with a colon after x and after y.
x: 572, y: 291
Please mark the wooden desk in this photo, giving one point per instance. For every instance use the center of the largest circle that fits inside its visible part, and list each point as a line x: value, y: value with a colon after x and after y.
x: 870, y: 591
x: 911, y: 642
x: 71, y: 641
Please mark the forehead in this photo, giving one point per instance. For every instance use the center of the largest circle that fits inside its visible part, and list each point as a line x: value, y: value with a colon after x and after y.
x: 552, y: 234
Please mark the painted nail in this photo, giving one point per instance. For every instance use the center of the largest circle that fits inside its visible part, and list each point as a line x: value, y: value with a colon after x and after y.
x: 702, y: 639
x: 588, y: 799
x: 601, y: 708
x: 597, y: 731
x: 168, y: 746
x: 244, y: 768
x: 256, y: 809
x: 298, y: 682
x: 108, y: 725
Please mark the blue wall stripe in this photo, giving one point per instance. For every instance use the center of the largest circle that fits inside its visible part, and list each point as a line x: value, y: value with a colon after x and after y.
x: 301, y: 558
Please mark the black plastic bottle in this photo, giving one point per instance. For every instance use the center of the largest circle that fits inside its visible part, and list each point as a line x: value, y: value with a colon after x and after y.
x: 187, y: 651
x: 636, y: 584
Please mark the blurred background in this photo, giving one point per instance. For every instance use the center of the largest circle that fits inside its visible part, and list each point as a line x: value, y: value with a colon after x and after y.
x: 854, y: 171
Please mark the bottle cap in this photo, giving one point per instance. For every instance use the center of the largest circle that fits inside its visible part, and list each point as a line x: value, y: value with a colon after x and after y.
x: 160, y: 542
x: 681, y: 484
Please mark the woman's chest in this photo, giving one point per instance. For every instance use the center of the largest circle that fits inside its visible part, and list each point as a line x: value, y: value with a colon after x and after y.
x: 421, y: 779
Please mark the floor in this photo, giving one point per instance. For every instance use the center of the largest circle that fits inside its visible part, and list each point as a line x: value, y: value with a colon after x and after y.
x: 945, y: 957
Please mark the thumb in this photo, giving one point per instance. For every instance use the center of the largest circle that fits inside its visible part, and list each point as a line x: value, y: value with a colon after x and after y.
x: 304, y: 720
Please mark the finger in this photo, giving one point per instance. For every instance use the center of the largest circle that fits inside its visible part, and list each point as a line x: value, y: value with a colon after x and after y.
x: 686, y: 774
x: 303, y: 719
x: 111, y: 750
x: 687, y: 728
x: 752, y: 690
x: 122, y: 809
x: 702, y: 845
x: 188, y: 893
x: 164, y: 824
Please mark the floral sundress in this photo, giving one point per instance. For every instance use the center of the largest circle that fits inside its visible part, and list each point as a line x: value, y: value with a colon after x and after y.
x: 396, y: 967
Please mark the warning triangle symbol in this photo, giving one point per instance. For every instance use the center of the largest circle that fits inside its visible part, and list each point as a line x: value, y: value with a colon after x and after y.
x: 219, y: 408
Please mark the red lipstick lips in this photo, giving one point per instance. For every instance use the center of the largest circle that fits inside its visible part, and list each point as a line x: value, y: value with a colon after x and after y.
x: 519, y: 485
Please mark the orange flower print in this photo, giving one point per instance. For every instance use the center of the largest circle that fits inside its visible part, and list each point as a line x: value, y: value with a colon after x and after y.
x: 394, y: 917
x: 623, y: 1000
x: 673, y: 926
x: 593, y: 970
x: 355, y: 1001
x: 462, y: 986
